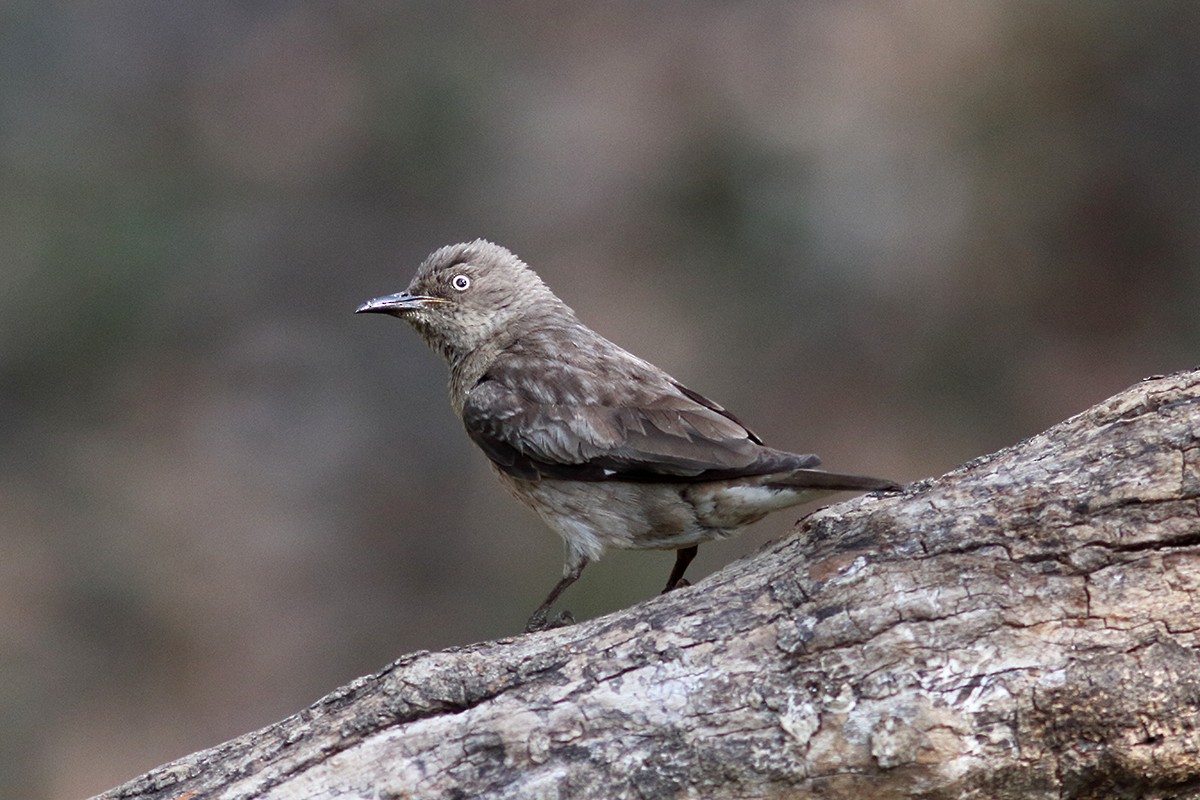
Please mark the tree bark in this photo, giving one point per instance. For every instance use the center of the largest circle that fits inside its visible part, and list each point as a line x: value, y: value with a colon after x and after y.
x: 1025, y: 626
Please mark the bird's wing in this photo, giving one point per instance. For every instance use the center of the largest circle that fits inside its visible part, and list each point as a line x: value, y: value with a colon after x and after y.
x: 647, y: 430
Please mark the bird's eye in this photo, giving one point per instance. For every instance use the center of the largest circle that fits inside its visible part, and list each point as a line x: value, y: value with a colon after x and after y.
x: 460, y: 282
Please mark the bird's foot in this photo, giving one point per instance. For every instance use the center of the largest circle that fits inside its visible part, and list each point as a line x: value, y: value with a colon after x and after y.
x: 682, y: 582
x: 539, y: 622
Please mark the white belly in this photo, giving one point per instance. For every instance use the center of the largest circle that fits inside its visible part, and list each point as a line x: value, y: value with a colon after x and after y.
x: 592, y: 516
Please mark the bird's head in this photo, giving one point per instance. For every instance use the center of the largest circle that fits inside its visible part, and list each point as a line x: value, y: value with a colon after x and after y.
x: 469, y: 296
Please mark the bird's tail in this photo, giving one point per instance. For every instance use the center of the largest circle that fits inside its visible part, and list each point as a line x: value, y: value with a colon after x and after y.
x: 831, y: 481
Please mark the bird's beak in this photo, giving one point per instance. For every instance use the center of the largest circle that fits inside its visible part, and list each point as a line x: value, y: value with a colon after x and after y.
x: 397, y: 304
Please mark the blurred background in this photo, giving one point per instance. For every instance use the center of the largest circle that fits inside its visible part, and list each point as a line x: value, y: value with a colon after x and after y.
x: 900, y: 235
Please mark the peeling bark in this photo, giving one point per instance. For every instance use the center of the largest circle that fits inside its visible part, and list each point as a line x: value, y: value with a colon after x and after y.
x: 1025, y: 626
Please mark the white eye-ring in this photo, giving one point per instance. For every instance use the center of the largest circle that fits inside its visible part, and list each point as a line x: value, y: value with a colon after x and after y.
x: 461, y: 282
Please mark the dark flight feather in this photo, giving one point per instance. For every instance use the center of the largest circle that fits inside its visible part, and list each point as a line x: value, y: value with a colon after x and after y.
x: 573, y: 425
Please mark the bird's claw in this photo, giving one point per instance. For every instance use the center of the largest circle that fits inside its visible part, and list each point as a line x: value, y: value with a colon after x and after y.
x: 539, y: 622
x: 681, y: 583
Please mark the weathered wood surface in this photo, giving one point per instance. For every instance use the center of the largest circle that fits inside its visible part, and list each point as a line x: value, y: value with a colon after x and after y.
x: 1023, y: 627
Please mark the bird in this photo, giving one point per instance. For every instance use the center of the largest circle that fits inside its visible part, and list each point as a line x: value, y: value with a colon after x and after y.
x: 608, y: 449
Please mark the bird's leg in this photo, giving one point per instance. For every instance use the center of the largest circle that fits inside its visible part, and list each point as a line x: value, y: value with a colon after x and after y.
x: 683, y: 557
x: 537, y: 620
